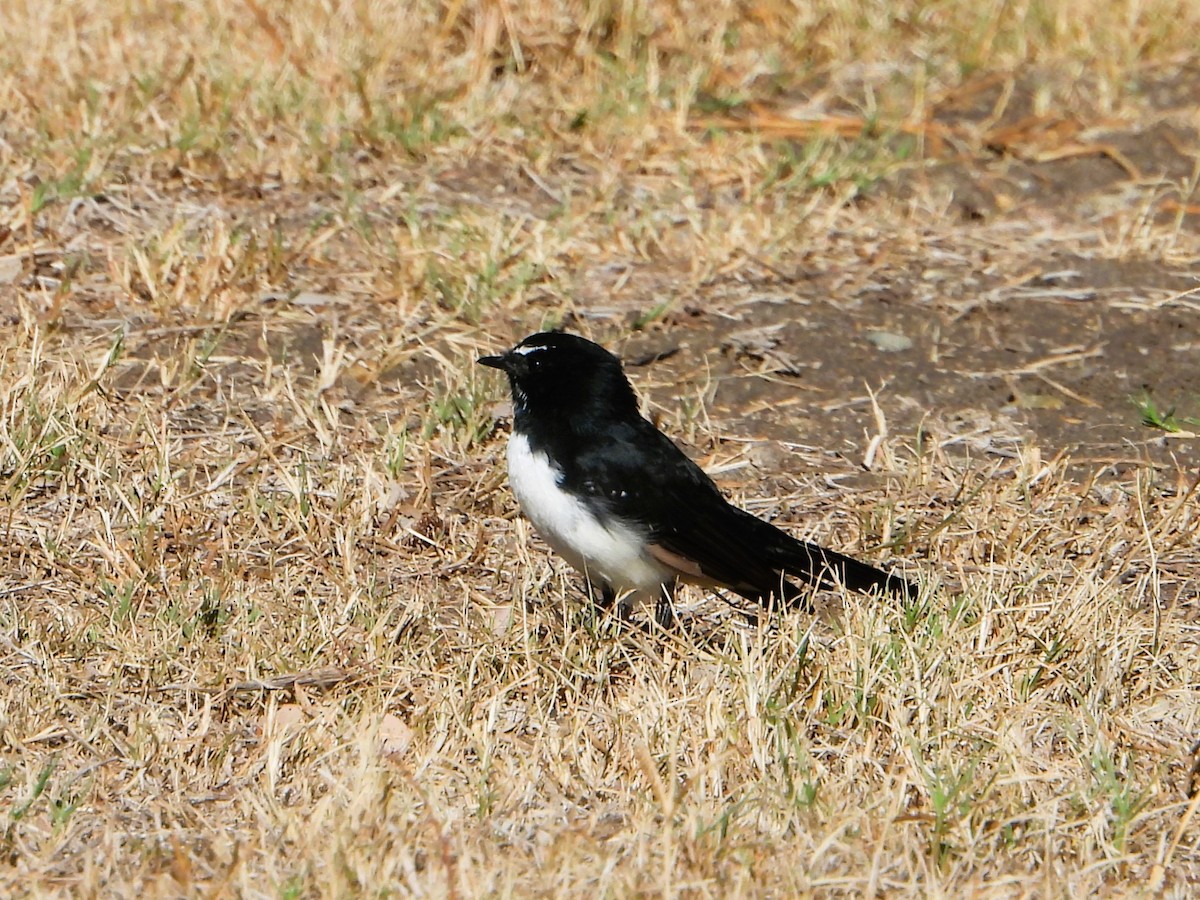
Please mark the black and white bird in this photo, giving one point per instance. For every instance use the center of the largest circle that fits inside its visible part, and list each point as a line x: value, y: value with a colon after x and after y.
x: 622, y: 504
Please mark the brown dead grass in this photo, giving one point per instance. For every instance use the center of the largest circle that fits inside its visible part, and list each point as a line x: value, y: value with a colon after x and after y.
x: 268, y: 624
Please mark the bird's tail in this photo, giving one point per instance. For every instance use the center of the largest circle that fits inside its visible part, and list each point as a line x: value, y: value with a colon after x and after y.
x: 831, y: 565
x: 818, y: 566
x: 766, y: 565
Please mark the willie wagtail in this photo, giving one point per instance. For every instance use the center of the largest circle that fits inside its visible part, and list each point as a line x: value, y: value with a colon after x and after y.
x: 623, y: 505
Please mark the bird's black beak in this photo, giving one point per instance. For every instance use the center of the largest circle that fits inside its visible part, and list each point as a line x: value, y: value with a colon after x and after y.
x: 495, y: 362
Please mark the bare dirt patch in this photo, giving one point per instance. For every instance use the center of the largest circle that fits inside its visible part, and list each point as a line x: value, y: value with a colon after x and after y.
x: 1020, y: 314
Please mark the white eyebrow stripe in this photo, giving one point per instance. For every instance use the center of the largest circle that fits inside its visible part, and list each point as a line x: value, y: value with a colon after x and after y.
x: 524, y: 351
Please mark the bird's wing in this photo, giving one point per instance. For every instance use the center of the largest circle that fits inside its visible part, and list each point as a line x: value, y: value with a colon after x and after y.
x: 640, y: 475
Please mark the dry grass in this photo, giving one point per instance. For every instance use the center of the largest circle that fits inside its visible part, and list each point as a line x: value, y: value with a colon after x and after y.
x: 268, y: 626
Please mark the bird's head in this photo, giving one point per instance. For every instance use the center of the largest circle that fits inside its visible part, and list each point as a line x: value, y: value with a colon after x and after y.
x: 557, y: 373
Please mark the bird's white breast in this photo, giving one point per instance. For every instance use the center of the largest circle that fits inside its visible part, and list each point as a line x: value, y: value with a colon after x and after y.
x: 613, y: 553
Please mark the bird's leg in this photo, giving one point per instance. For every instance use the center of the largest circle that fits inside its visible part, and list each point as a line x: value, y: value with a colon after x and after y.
x: 605, y: 597
x: 625, y: 603
x: 664, y: 611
